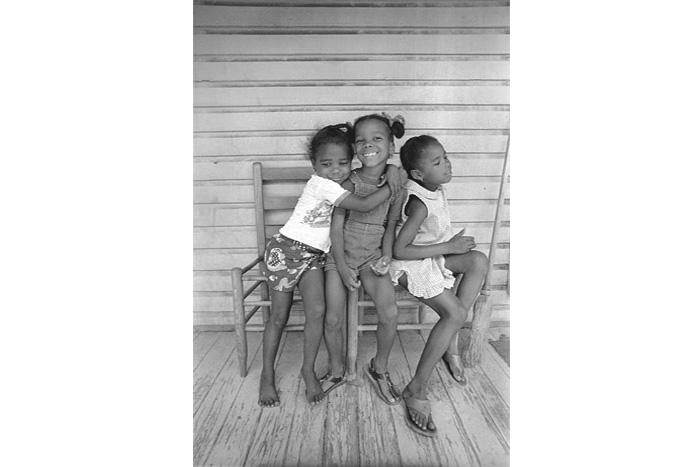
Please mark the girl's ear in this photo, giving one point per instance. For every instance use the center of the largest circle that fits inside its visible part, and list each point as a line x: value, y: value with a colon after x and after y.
x: 416, y: 174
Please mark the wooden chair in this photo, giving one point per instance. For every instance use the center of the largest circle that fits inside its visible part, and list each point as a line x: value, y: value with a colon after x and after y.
x: 273, y: 206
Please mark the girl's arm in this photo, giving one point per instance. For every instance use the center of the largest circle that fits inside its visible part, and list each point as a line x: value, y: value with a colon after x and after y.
x: 404, y: 248
x: 347, y: 275
x: 367, y: 203
x: 381, y: 266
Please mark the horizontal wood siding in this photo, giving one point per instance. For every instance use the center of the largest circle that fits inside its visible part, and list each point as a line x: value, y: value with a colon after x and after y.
x: 268, y: 74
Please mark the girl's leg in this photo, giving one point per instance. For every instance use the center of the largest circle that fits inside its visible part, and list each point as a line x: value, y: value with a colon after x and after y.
x: 474, y: 265
x: 312, y: 291
x: 452, y: 315
x: 279, y: 314
x: 381, y: 290
x: 335, y: 317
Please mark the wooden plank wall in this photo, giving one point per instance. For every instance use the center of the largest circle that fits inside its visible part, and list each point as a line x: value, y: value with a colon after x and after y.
x: 267, y: 74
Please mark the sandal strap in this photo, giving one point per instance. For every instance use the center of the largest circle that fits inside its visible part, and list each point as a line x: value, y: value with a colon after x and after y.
x: 419, y: 405
x: 388, y: 389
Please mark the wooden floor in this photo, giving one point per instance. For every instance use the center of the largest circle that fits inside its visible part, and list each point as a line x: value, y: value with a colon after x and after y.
x: 352, y: 426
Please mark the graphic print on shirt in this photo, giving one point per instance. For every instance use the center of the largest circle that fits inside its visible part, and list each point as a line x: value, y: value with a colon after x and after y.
x: 320, y: 216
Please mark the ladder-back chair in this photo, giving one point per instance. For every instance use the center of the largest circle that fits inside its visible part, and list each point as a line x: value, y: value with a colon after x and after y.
x: 273, y: 206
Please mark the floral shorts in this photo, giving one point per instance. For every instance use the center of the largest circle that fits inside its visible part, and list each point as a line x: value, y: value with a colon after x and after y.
x: 286, y: 260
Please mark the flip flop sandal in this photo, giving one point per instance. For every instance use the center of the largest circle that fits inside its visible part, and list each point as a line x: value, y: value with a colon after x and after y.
x: 336, y: 381
x: 422, y: 406
x: 454, y: 360
x: 382, y: 385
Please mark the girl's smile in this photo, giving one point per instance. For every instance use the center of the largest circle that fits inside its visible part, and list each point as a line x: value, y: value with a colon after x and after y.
x: 373, y: 144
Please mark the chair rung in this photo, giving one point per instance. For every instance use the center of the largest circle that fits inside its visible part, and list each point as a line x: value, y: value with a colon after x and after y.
x: 366, y: 303
x: 250, y: 314
x: 268, y: 302
x: 251, y: 265
x: 373, y: 327
x: 253, y: 278
x: 260, y: 327
x: 250, y: 289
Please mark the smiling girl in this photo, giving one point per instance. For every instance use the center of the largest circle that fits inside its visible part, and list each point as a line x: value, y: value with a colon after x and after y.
x: 362, y: 244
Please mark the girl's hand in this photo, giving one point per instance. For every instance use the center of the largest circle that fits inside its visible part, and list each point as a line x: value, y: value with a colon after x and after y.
x: 381, y: 266
x: 459, y: 244
x: 396, y: 178
x: 348, y: 276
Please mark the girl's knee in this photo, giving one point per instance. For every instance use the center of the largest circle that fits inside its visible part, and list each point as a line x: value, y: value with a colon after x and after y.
x: 333, y: 322
x: 315, y: 311
x: 478, y: 261
x: 388, y: 315
x: 458, y: 314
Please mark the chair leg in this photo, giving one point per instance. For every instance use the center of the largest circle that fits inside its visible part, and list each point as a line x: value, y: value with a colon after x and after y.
x: 351, y: 364
x: 239, y: 320
x: 361, y: 310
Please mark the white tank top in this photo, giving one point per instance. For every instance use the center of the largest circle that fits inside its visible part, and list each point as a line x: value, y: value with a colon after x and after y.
x: 436, y: 227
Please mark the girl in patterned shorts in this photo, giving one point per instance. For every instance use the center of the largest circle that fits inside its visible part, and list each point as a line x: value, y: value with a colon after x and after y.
x: 297, y: 254
x: 427, y: 253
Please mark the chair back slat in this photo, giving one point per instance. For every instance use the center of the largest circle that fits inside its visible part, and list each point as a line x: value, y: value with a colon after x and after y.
x: 287, y: 173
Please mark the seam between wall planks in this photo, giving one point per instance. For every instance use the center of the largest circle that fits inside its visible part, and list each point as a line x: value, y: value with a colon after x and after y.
x: 334, y: 30
x: 346, y: 107
x: 380, y: 57
x: 310, y: 131
x: 288, y: 83
x: 365, y: 4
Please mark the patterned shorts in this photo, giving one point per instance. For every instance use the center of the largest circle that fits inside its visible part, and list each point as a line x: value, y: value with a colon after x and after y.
x: 286, y: 260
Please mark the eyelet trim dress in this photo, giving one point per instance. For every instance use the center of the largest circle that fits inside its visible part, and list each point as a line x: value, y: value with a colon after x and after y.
x: 428, y: 277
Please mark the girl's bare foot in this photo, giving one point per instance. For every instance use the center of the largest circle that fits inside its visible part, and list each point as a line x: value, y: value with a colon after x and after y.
x: 268, y: 392
x: 314, y: 391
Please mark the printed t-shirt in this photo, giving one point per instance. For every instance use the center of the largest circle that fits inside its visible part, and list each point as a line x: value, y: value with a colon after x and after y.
x: 310, y: 222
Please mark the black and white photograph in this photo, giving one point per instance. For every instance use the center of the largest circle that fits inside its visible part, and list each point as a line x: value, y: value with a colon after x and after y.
x: 351, y: 233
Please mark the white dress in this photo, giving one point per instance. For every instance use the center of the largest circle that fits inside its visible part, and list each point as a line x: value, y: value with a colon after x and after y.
x: 426, y: 277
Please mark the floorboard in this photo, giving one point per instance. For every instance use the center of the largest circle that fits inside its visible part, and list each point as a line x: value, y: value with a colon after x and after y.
x: 376, y: 428
x: 341, y: 446
x: 305, y: 445
x: 215, y: 359
x: 274, y: 426
x: 494, y: 334
x: 497, y: 371
x: 203, y: 342
x: 352, y: 426
x: 452, y: 447
x: 227, y: 426
x: 413, y: 448
x: 481, y: 393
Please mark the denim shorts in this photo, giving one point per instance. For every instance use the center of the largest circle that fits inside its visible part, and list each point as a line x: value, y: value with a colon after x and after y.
x: 286, y: 260
x: 363, y: 245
